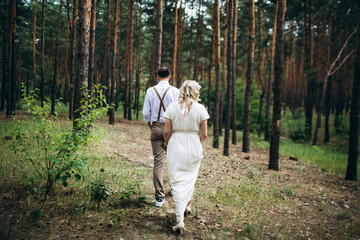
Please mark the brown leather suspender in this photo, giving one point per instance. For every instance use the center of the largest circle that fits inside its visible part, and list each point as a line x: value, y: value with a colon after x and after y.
x: 161, y: 101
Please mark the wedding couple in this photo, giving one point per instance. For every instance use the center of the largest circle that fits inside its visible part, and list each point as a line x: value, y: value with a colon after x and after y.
x: 175, y: 117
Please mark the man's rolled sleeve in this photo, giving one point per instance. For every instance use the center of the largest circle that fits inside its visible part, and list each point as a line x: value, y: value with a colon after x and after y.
x: 146, y: 108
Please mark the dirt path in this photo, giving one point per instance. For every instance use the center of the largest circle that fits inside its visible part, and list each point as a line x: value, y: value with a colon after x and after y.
x: 236, y: 197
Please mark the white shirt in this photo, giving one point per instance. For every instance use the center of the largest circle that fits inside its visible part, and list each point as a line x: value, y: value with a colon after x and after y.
x: 152, y: 103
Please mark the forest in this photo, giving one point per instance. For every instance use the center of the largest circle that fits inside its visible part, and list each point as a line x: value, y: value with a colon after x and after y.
x: 280, y: 80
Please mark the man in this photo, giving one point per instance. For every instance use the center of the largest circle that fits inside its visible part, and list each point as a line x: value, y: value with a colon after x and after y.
x: 157, y: 99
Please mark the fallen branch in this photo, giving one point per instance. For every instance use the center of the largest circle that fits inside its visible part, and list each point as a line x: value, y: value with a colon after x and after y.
x: 134, y: 161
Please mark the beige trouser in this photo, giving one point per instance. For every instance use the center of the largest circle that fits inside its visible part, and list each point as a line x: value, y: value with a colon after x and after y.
x: 157, y: 137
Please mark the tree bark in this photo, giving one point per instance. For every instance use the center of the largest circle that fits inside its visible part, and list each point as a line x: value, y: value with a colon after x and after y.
x: 73, y: 59
x: 113, y: 63
x: 92, y: 47
x: 260, y: 71
x: 11, y: 96
x: 34, y: 44
x: 229, y: 78
x: 81, y: 81
x: 210, y: 68
x: 129, y: 53
x: 5, y: 63
x: 198, y: 42
x: 249, y: 76
x: 54, y: 83
x: 106, y: 63
x: 191, y: 47
x: 328, y: 89
x: 271, y: 77
x: 66, y: 60
x: 159, y: 29
x: 216, y: 113
x: 138, y: 68
x: 309, y: 65
x: 42, y: 53
x: 181, y: 47
x: 233, y: 61
x: 224, y: 59
x: 175, y: 43
x: 275, y: 132
x: 351, y: 171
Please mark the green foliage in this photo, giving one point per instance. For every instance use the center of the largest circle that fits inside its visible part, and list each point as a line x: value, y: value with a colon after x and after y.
x: 99, y: 190
x: 53, y: 155
x: 132, y: 188
x: 298, y: 135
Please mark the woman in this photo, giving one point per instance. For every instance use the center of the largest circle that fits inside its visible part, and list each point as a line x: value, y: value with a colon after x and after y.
x: 184, y: 150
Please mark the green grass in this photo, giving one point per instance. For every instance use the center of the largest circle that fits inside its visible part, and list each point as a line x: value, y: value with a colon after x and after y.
x: 324, y: 158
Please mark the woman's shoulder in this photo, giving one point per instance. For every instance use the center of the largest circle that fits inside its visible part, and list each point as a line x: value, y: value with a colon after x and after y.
x: 200, y: 106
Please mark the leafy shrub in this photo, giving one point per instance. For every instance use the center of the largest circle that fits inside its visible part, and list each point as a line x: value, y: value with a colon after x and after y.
x: 53, y: 155
x: 298, y: 135
x: 99, y: 190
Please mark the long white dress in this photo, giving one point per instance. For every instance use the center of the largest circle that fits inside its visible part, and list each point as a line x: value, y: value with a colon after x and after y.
x: 184, y: 153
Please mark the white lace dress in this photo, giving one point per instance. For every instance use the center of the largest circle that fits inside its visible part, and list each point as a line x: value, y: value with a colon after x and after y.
x: 184, y: 153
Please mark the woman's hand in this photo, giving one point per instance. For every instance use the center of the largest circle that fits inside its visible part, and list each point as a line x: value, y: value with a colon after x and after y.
x: 167, y: 130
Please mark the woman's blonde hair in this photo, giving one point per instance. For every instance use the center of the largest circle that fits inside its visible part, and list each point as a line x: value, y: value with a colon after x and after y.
x: 190, y: 90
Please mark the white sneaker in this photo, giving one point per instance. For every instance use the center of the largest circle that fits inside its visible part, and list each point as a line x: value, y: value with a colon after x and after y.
x: 159, y: 202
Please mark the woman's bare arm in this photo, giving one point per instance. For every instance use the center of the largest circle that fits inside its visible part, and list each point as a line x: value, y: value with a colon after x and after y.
x: 203, y: 131
x: 167, y: 130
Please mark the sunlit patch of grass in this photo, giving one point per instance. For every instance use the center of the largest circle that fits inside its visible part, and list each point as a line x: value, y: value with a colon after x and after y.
x: 328, y: 160
x: 236, y: 201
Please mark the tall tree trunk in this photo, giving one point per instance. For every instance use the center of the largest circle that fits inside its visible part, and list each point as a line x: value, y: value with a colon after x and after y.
x: 275, y: 131
x: 198, y: 42
x: 309, y: 65
x: 33, y: 45
x: 229, y: 78
x: 271, y: 77
x: 54, y: 83
x: 175, y: 43
x: 113, y: 63
x: 42, y: 53
x: 129, y: 53
x: 4, y: 79
x: 351, y: 171
x: 159, y: 29
x: 260, y: 70
x: 118, y: 67
x: 106, y: 63
x: 181, y: 47
x: 72, y: 59
x: 138, y: 68
x: 191, y: 47
x: 233, y: 61
x: 249, y: 76
x: 92, y: 47
x: 222, y: 93
x: 216, y: 127
x: 210, y: 68
x: 83, y: 57
x: 66, y: 60
x: 328, y: 89
x: 12, y: 63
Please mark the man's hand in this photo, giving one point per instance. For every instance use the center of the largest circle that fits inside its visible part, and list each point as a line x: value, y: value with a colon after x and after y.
x: 150, y: 124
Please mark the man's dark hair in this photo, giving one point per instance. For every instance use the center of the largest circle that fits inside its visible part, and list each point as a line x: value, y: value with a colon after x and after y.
x: 163, y: 72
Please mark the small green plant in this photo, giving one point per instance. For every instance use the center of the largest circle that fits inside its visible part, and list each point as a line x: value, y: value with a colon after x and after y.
x: 99, y: 190
x: 132, y: 188
x: 288, y: 191
x: 298, y: 135
x: 52, y: 155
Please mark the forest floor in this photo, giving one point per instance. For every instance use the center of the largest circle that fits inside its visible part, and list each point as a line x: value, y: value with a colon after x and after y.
x: 236, y: 197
